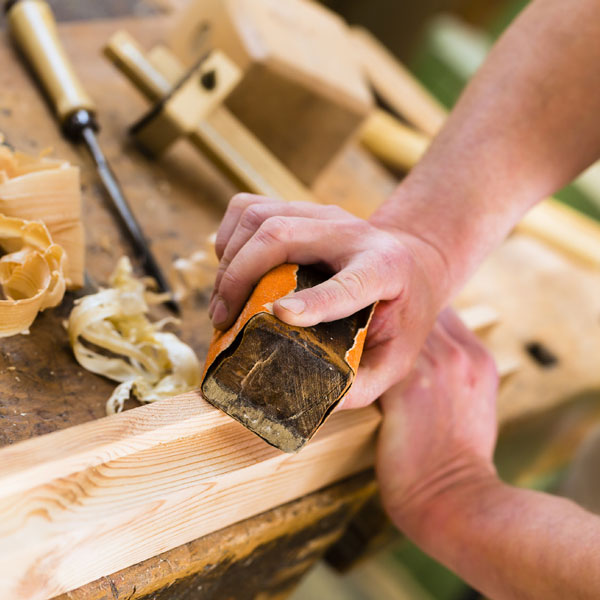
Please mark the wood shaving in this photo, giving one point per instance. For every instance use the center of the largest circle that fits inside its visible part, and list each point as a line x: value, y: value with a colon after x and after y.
x: 31, y: 273
x: 47, y: 190
x: 196, y: 272
x: 111, y: 335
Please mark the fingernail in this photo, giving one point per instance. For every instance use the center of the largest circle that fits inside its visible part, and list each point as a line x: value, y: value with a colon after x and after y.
x: 294, y: 305
x: 220, y: 312
x: 211, y: 305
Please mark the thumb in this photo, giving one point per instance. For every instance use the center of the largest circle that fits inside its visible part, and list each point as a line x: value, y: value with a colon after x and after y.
x: 380, y: 368
x: 342, y: 295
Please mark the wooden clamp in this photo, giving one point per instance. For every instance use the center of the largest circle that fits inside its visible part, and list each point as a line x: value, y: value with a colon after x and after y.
x: 189, y: 104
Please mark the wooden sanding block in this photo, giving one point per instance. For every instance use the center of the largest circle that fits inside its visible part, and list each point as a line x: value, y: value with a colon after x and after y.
x: 278, y: 380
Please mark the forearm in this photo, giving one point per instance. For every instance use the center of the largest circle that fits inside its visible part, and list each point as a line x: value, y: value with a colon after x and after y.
x: 525, y: 126
x: 512, y: 543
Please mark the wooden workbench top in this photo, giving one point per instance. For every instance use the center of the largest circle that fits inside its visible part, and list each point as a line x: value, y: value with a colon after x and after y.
x: 179, y: 201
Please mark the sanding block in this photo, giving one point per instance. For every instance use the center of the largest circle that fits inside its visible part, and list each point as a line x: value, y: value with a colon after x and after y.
x: 278, y: 380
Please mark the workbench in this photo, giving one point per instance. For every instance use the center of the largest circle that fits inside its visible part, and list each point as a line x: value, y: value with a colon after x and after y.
x: 179, y: 202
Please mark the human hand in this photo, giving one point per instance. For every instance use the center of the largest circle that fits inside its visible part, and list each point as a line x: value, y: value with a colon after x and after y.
x: 439, y: 425
x: 401, y: 271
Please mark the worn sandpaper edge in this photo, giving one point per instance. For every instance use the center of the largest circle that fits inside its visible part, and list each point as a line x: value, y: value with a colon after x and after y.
x: 240, y: 411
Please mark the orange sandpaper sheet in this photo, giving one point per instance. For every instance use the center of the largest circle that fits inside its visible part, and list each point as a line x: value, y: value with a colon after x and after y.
x: 276, y: 284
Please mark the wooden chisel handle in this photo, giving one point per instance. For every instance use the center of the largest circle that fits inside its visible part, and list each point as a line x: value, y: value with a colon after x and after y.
x: 34, y: 31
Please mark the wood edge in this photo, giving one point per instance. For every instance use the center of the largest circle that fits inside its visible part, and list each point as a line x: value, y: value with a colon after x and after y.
x: 34, y: 461
x: 344, y: 447
x: 239, y: 541
x: 40, y: 460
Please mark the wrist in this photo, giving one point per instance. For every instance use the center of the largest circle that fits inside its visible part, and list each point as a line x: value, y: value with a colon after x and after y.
x: 429, y: 258
x: 458, y: 225
x: 431, y: 512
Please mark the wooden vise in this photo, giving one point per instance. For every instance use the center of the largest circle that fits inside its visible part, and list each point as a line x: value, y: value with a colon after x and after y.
x: 301, y: 91
x: 188, y: 103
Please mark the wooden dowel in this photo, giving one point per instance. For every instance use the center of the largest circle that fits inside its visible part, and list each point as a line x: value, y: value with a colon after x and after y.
x: 396, y: 144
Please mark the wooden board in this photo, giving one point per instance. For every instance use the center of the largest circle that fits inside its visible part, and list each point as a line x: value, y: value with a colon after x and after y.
x: 263, y: 557
x: 541, y: 298
x: 93, y: 499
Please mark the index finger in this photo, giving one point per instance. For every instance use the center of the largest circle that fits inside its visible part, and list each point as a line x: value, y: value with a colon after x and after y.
x: 237, y: 205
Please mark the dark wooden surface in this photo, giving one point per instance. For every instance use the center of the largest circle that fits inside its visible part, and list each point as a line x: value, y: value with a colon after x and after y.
x: 179, y: 202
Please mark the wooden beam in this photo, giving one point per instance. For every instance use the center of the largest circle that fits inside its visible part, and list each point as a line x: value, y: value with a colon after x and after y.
x: 566, y: 229
x: 96, y: 498
x: 259, y: 557
x: 396, y: 85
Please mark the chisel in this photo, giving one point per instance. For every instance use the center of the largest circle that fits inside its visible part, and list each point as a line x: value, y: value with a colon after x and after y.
x: 34, y: 31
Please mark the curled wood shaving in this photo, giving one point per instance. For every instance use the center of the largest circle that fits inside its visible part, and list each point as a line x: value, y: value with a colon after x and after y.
x: 111, y: 335
x: 47, y: 190
x: 197, y: 271
x: 31, y: 273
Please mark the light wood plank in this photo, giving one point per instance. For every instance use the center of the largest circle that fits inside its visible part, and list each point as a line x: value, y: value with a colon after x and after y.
x: 566, y: 229
x: 93, y: 499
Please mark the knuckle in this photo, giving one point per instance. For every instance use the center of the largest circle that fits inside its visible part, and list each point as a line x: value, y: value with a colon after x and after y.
x: 358, y: 227
x: 486, y: 365
x: 220, y: 244
x: 252, y: 217
x: 353, y: 283
x: 241, y: 200
x: 335, y: 211
x: 230, y: 280
x: 393, y: 256
x: 221, y: 271
x: 458, y: 359
x: 274, y: 229
x: 320, y: 296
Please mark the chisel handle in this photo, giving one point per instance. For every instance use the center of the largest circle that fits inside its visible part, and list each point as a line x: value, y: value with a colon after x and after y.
x: 34, y: 31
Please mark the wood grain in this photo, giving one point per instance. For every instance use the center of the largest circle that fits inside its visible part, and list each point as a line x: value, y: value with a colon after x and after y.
x: 264, y: 555
x: 137, y: 488
x: 179, y: 201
